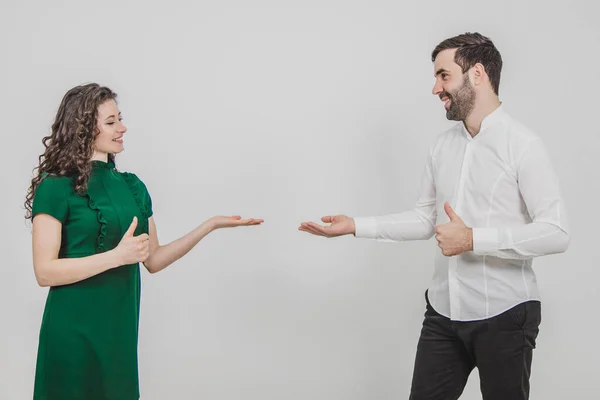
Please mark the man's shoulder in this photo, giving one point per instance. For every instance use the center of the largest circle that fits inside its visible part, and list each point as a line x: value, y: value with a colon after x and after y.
x: 518, y: 131
x: 443, y: 137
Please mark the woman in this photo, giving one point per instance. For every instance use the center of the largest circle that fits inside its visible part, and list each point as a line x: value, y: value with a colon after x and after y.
x: 92, y: 225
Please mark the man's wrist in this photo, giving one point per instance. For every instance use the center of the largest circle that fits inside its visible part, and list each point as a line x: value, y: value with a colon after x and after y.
x: 365, y: 227
x: 469, y: 239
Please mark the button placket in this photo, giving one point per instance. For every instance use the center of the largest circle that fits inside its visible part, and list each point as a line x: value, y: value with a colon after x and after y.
x: 453, y: 282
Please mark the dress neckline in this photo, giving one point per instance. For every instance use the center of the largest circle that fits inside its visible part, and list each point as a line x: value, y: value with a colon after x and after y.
x: 98, y: 164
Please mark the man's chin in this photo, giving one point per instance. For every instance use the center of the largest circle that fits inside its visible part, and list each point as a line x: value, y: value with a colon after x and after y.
x: 451, y: 116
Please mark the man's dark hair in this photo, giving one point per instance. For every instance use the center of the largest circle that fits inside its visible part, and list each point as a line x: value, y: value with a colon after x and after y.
x: 473, y: 48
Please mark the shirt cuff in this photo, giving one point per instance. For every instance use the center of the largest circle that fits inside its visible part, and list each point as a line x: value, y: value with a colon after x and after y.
x: 485, y: 241
x: 365, y: 228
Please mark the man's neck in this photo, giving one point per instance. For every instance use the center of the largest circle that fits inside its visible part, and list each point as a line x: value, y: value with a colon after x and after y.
x: 483, y: 108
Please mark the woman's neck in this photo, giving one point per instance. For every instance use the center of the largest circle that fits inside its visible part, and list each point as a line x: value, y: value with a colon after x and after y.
x: 99, y: 156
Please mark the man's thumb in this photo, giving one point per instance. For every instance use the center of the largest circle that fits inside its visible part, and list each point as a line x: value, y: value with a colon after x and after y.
x: 451, y: 214
x: 132, y: 227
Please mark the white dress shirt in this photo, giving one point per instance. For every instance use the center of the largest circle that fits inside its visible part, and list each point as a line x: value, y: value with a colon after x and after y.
x: 502, y: 184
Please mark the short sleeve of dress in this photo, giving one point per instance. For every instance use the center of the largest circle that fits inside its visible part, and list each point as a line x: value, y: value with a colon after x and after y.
x: 51, y: 197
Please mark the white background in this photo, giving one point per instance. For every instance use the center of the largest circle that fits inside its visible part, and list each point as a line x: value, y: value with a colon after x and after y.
x: 289, y: 111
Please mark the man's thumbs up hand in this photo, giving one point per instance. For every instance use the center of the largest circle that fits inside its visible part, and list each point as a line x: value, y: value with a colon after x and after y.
x: 454, y: 237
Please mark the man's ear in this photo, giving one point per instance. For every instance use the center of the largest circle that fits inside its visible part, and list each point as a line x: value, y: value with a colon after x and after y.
x: 478, y: 74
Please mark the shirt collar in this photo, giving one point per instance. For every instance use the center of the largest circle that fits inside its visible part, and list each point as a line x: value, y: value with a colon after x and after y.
x: 491, y: 119
x: 494, y: 117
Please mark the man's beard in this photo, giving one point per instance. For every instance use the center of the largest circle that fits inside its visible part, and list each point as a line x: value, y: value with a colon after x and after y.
x: 462, y: 101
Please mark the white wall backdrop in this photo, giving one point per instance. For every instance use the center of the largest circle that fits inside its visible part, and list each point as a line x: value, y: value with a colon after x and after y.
x: 288, y: 111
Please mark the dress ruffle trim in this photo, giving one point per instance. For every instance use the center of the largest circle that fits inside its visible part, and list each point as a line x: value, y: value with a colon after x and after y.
x: 133, y: 183
x: 101, y: 221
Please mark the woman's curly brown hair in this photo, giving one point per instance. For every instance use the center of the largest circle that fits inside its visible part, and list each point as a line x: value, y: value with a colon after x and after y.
x: 70, y: 146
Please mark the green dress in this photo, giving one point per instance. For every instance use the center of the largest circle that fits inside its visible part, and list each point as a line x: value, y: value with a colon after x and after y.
x: 89, y: 334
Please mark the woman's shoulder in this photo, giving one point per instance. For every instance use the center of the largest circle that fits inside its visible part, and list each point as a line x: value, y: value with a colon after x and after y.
x: 131, y: 178
x: 136, y: 184
x: 52, y: 182
x: 140, y: 192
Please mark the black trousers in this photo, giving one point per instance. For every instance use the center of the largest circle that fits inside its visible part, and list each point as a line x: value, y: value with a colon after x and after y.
x: 500, y: 347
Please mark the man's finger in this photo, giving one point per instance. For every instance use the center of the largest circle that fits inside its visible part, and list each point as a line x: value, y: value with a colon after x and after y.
x: 450, y: 212
x: 323, y: 229
x: 307, y: 229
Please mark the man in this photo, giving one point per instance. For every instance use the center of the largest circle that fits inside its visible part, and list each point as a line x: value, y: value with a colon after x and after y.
x: 492, y: 200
